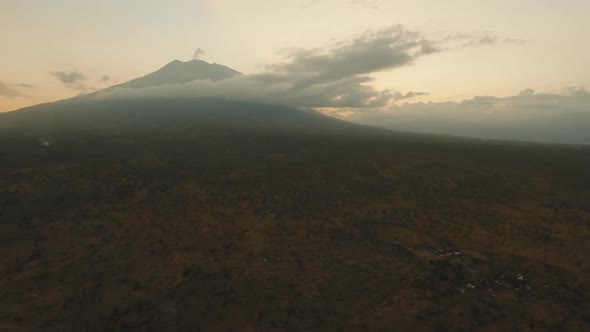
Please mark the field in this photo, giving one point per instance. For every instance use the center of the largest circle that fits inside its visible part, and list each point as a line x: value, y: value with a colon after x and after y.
x: 257, y: 231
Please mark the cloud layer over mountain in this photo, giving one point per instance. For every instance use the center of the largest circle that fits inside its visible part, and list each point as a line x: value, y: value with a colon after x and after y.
x: 335, y: 76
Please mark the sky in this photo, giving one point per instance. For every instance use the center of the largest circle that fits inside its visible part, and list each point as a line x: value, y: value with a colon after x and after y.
x: 61, y: 48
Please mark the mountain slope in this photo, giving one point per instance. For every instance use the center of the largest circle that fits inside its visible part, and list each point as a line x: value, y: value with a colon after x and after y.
x: 88, y: 112
x: 175, y: 114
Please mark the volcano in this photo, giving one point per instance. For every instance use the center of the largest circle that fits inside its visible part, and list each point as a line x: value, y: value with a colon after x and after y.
x: 191, y: 114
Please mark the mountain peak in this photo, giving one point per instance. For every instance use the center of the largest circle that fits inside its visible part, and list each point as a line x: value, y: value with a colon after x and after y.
x: 180, y: 72
x: 177, y: 62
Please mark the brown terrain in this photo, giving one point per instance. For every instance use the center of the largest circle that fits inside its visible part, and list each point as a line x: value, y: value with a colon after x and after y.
x: 269, y: 232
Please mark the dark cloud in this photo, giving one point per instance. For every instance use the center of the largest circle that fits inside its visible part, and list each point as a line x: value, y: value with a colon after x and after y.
x: 73, y: 77
x: 105, y: 78
x: 73, y: 80
x: 371, y: 52
x: 10, y: 90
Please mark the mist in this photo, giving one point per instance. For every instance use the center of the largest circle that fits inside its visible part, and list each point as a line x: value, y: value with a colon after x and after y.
x: 562, y: 117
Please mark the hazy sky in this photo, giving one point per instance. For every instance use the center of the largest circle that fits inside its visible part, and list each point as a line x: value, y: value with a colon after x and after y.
x: 59, y: 48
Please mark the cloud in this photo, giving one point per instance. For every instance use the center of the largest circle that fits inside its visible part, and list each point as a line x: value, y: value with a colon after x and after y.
x: 549, y: 117
x: 73, y: 77
x: 74, y: 80
x: 374, y: 5
x: 198, y: 53
x: 11, y: 90
x: 514, y: 41
x: 371, y: 52
x: 408, y: 95
x: 485, y: 40
x: 575, y: 91
x: 6, y: 90
x: 527, y: 92
x: 479, y: 39
x: 333, y: 76
x: 78, y: 81
x: 348, y: 92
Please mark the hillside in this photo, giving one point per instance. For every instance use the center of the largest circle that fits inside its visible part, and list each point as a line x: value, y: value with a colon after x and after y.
x: 265, y: 232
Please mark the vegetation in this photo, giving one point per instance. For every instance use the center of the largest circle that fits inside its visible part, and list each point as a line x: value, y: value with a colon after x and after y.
x: 258, y: 231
